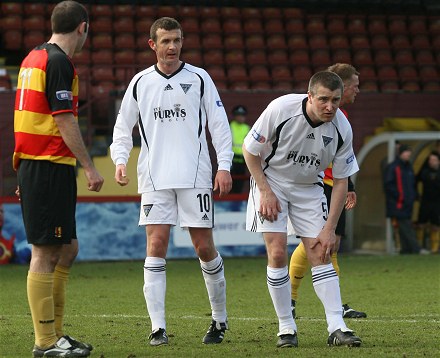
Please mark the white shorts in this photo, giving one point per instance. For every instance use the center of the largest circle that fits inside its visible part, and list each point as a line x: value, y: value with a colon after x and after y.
x: 304, y: 204
x: 193, y: 207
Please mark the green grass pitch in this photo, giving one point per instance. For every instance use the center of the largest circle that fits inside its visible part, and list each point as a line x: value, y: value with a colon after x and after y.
x: 106, y: 307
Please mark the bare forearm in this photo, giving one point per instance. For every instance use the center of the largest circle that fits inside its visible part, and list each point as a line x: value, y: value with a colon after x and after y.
x: 71, y: 134
x: 254, y: 166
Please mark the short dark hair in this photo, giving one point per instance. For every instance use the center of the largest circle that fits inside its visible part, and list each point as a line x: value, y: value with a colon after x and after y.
x: 344, y: 70
x: 67, y: 15
x: 166, y: 23
x: 327, y: 79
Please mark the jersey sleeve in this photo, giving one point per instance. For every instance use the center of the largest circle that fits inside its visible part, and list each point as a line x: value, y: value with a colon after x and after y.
x: 218, y: 125
x: 126, y: 119
x: 59, y: 78
x: 262, y: 130
x: 345, y: 163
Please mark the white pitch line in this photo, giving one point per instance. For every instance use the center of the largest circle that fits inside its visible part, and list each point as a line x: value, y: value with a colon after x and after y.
x: 411, y: 319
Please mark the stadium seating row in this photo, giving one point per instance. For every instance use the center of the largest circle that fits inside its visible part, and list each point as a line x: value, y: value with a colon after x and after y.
x: 239, y: 44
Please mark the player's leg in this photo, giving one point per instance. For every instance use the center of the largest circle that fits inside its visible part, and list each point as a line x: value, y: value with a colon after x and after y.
x: 158, y: 212
x: 196, y: 212
x: 308, y: 212
x: 297, y: 269
x: 48, y: 214
x: 277, y: 276
x: 278, y: 284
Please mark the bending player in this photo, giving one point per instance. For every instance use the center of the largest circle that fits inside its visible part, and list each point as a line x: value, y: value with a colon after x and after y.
x: 298, y: 261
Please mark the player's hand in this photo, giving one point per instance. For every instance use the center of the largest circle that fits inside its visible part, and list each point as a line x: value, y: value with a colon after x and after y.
x: 223, y: 182
x: 94, y: 180
x: 269, y: 205
x: 351, y: 200
x: 121, y: 175
x: 327, y: 240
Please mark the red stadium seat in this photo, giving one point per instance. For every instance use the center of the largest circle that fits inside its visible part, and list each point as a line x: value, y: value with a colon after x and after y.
x: 420, y: 41
x: 259, y: 73
x: 32, y: 39
x: 145, y: 11
x: 276, y: 41
x: 188, y: 12
x: 400, y: 42
x: 11, y: 8
x: 389, y: 86
x: 408, y: 73
x: 102, y: 24
x: 233, y: 41
x: 101, y: 10
x: 301, y: 73
x: 193, y: 57
x: 230, y: 12
x: 411, y: 86
x: 431, y: 86
x: 12, y: 22
x: 281, y: 73
x: 250, y: 13
x: 239, y: 85
x: 211, y: 25
x: 190, y: 25
x: 292, y: 13
x: 321, y: 57
x: 387, y: 72
x: 362, y: 57
x: 377, y: 25
x: 341, y: 56
x: 404, y: 57
x: 191, y: 41
x: 209, y: 12
x: 397, y: 25
x: 282, y: 85
x: 318, y: 42
x: 277, y: 57
x: 142, y: 26
x: 254, y: 41
x: 297, y: 42
x: 82, y: 58
x: 367, y: 73
x: 101, y: 57
x: 212, y: 41
x: 34, y: 22
x: 261, y: 85
x: 339, y: 41
x: 428, y: 73
x: 237, y: 73
x: 359, y: 42
x: 124, y: 57
x: 356, y: 25
x: 123, y: 24
x: 217, y: 72
x: 236, y: 57
x: 102, y: 41
x: 425, y: 57
x: 299, y: 57
x: 213, y: 57
x: 123, y: 11
x: 253, y: 26
x: 12, y: 39
x: 336, y: 25
x: 315, y: 24
x: 102, y: 73
x: 232, y: 26
x: 294, y: 26
x: 165, y: 10
x: 380, y: 41
x: 146, y: 58
x: 125, y: 41
x: 383, y: 57
x: 272, y: 13
x: 256, y: 57
x: 273, y: 26
x: 417, y: 25
x: 369, y: 86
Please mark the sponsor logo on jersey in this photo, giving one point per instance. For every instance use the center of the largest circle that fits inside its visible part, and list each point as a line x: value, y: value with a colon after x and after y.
x: 169, y: 114
x: 258, y: 137
x: 310, y: 160
x: 147, y: 209
x: 350, y: 159
x: 311, y: 136
x: 64, y: 95
x: 168, y: 87
x: 326, y: 140
x: 219, y: 103
x: 185, y: 87
x: 205, y: 218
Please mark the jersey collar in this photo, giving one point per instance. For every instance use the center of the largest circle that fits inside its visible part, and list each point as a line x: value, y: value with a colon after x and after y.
x: 165, y: 75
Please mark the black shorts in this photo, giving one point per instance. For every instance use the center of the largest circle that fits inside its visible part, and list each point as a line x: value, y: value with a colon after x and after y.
x: 429, y: 212
x: 340, y: 227
x: 48, y: 201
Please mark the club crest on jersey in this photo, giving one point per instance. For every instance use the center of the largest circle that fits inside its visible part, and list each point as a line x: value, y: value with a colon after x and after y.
x: 168, y: 87
x: 258, y: 137
x: 64, y: 95
x: 147, y: 209
x: 58, y: 232
x: 326, y: 140
x: 185, y: 87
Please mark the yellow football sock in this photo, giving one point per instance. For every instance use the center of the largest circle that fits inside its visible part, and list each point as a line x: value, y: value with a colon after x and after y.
x: 60, y: 278
x: 297, y: 268
x: 40, y: 297
x: 435, y: 241
x: 335, y: 262
x: 420, y: 233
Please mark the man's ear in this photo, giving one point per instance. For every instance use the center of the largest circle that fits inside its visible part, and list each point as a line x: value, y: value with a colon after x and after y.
x: 152, y: 44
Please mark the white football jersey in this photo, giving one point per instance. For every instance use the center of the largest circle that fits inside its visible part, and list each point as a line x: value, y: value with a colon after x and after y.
x: 172, y: 113
x: 293, y: 150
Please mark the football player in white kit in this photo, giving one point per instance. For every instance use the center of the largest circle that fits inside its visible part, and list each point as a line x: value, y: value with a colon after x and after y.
x: 287, y: 149
x: 173, y: 102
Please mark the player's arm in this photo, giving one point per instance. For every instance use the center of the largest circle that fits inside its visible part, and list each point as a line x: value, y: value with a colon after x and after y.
x: 327, y: 236
x: 269, y: 204
x: 71, y: 134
